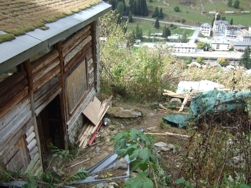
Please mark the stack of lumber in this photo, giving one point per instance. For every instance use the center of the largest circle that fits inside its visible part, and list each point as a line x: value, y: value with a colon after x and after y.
x: 95, y: 112
x: 177, y: 95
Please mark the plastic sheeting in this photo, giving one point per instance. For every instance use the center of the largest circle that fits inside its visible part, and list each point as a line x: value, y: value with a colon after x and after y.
x: 208, y: 102
x: 201, y: 86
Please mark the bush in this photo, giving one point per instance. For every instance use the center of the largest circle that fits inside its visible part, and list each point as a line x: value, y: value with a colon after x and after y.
x: 176, y: 9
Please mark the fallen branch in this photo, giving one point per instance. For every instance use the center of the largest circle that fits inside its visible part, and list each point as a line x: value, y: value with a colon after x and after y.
x: 79, y: 163
x: 162, y: 107
x: 171, y: 134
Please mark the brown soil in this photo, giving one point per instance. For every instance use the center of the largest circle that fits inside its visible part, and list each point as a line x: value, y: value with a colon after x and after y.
x: 151, y: 121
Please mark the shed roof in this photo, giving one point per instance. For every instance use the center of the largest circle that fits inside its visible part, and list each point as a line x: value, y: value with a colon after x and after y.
x: 21, y: 16
x: 24, y: 46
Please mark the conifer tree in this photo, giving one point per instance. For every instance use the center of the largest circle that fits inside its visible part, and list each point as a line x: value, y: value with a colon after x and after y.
x: 156, y: 25
x: 156, y: 12
x: 231, y: 21
x: 130, y: 19
x: 161, y: 15
x: 230, y: 3
x: 236, y: 4
x: 245, y: 59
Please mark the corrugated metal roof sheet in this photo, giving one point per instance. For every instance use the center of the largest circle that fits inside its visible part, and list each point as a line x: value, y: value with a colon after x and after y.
x: 23, y: 47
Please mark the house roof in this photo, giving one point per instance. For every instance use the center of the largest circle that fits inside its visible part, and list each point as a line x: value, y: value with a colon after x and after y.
x: 21, y: 16
x: 220, y: 41
x: 24, y: 46
x: 221, y: 21
x: 206, y: 25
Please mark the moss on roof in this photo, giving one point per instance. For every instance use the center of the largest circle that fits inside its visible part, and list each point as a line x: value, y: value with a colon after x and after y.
x: 20, y: 16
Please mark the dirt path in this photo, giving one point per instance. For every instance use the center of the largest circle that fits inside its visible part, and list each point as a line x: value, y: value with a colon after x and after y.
x: 151, y: 121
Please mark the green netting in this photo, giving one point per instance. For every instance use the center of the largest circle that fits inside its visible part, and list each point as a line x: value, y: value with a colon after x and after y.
x: 208, y: 102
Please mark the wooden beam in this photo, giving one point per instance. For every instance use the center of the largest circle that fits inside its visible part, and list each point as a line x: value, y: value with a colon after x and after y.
x: 67, y: 48
x: 77, y: 49
x: 16, y: 99
x: 13, y: 112
x: 63, y: 101
x: 76, y: 60
x: 44, y: 60
x: 11, y: 82
x: 13, y: 91
x: 28, y: 68
x: 46, y: 78
x: 45, y: 69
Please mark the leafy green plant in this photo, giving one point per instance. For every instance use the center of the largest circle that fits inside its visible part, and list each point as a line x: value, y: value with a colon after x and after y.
x: 62, y: 154
x: 183, y: 183
x: 79, y: 175
x: 139, y: 147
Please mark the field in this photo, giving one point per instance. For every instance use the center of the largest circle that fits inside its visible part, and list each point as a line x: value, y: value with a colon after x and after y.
x: 147, y: 26
x: 193, y: 13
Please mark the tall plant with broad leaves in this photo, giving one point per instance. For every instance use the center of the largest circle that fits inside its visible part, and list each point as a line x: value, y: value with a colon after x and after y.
x: 139, y: 147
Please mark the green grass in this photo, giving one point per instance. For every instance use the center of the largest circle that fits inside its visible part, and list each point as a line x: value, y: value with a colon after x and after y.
x: 147, y: 26
x: 193, y: 16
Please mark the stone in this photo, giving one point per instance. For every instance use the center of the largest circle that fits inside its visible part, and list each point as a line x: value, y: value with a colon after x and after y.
x: 120, y: 112
x: 100, y: 185
x: 175, y: 102
x: 121, y: 164
x: 152, y: 128
x: 164, y: 147
x: 122, y: 126
x: 97, y: 149
x: 151, y: 114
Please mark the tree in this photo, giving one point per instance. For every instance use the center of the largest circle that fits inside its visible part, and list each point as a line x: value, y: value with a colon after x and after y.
x: 138, y: 7
x: 130, y: 19
x: 138, y: 32
x: 236, y: 4
x: 183, y: 37
x: 245, y: 59
x: 156, y: 25
x: 230, y: 3
x: 176, y: 9
x: 120, y: 8
x: 200, y: 59
x: 218, y: 17
x: 161, y: 15
x: 231, y: 21
x: 166, y: 32
x: 156, y: 12
x: 213, y: 22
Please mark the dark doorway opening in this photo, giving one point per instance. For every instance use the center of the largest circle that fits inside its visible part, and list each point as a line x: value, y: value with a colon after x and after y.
x: 50, y: 127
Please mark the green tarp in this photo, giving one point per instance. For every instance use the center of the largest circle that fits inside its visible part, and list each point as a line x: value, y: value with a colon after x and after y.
x: 207, y: 102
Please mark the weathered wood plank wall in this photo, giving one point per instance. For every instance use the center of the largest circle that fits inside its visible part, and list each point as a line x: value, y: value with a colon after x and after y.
x: 24, y: 95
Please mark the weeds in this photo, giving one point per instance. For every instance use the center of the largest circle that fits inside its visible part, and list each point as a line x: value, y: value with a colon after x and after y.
x: 219, y: 147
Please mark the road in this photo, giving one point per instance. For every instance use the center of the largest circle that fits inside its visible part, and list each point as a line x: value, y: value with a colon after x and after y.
x: 201, y: 53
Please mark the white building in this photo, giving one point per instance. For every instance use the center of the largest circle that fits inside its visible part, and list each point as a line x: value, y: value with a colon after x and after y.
x: 220, y: 28
x: 220, y: 44
x: 244, y: 35
x: 182, y: 47
x: 206, y: 29
x: 231, y: 31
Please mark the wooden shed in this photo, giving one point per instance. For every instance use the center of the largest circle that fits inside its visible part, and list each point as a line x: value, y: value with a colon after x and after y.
x: 47, y: 76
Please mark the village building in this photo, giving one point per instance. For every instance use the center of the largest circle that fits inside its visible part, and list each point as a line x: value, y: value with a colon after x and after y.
x: 205, y: 29
x: 220, y: 44
x: 220, y: 28
x: 47, y: 77
x: 241, y: 45
x: 182, y: 47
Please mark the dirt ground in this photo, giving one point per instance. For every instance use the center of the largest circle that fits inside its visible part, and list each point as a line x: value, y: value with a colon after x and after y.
x: 151, y: 121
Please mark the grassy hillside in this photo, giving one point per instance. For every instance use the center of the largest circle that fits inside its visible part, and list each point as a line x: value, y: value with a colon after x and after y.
x: 192, y: 13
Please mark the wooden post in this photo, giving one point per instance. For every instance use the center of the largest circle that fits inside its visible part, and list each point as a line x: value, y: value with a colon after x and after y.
x: 63, y: 102
x: 27, y: 65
